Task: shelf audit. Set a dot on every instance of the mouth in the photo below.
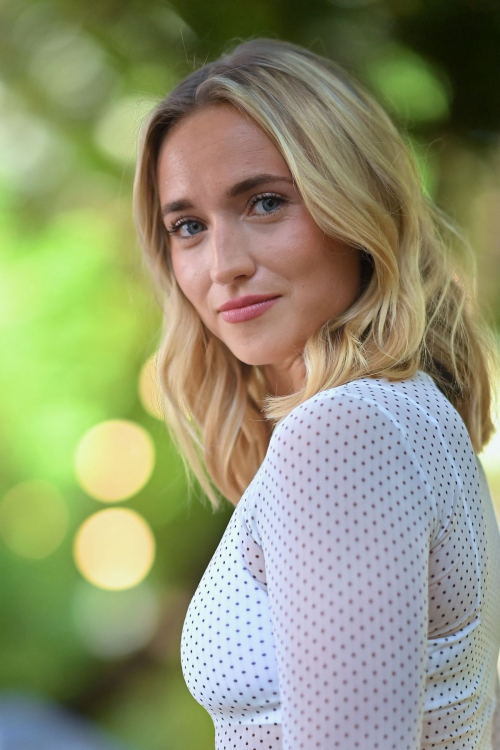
(240, 314)
(245, 301)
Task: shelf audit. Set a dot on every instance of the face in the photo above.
(230, 240)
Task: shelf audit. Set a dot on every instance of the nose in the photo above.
(230, 255)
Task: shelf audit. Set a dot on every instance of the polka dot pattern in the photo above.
(353, 600)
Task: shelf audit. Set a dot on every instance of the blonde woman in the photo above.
(324, 369)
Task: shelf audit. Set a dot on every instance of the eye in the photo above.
(182, 222)
(265, 198)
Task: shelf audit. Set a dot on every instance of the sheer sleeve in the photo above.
(345, 519)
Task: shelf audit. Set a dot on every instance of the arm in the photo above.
(345, 521)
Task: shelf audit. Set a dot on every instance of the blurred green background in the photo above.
(101, 548)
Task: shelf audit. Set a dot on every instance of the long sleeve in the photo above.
(345, 519)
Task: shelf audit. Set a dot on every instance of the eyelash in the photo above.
(174, 228)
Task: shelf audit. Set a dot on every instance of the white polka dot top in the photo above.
(353, 600)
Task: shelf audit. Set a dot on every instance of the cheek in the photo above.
(193, 285)
(293, 246)
(184, 276)
(322, 262)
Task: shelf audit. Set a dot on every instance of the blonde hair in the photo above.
(361, 184)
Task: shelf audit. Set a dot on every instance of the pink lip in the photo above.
(240, 314)
(249, 299)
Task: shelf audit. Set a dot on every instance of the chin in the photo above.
(248, 360)
(252, 358)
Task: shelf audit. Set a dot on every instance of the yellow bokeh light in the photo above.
(149, 390)
(114, 460)
(33, 518)
(114, 548)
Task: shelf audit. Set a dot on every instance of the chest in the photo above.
(227, 648)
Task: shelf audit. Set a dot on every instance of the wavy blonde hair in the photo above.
(360, 182)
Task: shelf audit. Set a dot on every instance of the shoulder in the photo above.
(360, 405)
(345, 451)
(369, 419)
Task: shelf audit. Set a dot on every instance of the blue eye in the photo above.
(268, 198)
(186, 221)
(174, 229)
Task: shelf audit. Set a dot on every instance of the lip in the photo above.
(250, 299)
(239, 314)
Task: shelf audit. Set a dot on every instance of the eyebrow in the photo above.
(240, 187)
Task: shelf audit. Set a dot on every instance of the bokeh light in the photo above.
(33, 518)
(409, 84)
(114, 460)
(114, 548)
(114, 624)
(117, 130)
(149, 390)
(70, 67)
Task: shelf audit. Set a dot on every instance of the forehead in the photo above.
(217, 143)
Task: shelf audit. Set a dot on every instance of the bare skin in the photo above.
(228, 247)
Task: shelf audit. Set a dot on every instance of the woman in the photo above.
(353, 599)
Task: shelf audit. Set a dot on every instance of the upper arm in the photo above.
(344, 519)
